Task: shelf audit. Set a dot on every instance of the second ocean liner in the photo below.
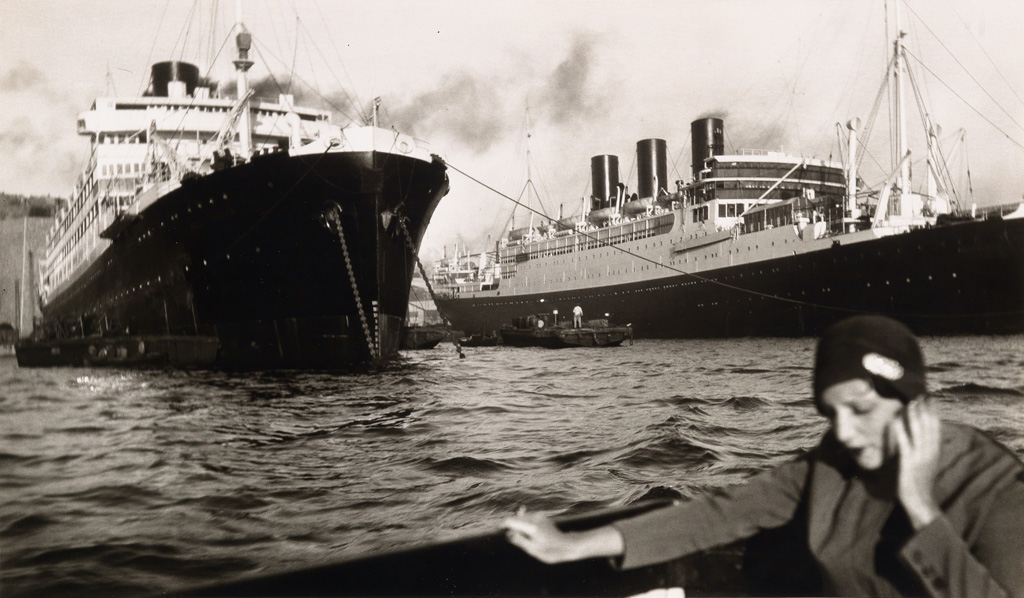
(757, 243)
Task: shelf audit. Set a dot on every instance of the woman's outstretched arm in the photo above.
(536, 534)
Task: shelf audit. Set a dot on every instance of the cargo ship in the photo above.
(233, 231)
(756, 243)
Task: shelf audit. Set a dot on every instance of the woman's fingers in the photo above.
(516, 538)
(932, 424)
(898, 431)
(536, 534)
(521, 526)
(918, 436)
(923, 424)
(530, 530)
(915, 421)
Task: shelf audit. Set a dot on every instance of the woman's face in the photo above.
(860, 420)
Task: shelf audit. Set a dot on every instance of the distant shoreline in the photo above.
(15, 205)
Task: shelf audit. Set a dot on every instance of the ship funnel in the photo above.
(708, 139)
(652, 167)
(604, 172)
(163, 73)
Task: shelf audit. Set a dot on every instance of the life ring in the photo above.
(404, 146)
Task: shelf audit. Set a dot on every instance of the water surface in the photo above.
(120, 482)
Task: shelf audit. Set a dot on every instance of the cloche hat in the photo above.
(874, 348)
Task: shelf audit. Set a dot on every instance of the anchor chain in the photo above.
(430, 289)
(335, 218)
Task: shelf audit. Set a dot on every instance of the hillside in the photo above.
(13, 205)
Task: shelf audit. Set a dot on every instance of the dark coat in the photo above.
(858, 535)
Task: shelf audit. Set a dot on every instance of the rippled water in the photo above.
(123, 482)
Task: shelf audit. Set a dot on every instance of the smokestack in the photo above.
(708, 139)
(174, 72)
(604, 172)
(652, 167)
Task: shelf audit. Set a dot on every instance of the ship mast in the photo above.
(529, 174)
(851, 176)
(21, 289)
(244, 42)
(933, 187)
(903, 182)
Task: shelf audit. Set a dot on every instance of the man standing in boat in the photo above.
(577, 317)
(892, 502)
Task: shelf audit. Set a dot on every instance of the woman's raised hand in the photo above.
(918, 436)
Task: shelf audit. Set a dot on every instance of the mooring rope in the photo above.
(430, 289)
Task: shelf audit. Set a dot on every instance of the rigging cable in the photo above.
(675, 163)
(145, 79)
(942, 168)
(211, 41)
(400, 218)
(969, 74)
(187, 31)
(257, 44)
(982, 48)
(862, 144)
(354, 102)
(964, 100)
(295, 56)
(312, 72)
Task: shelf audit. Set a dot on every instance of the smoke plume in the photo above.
(464, 107)
(38, 154)
(566, 97)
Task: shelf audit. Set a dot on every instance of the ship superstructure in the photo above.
(142, 148)
(289, 240)
(757, 243)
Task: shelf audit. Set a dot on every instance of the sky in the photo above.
(516, 91)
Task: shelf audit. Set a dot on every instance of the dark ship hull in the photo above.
(251, 256)
(962, 278)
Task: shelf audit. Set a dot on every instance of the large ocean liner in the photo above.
(756, 243)
(233, 230)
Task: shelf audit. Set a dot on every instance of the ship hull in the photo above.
(964, 278)
(249, 255)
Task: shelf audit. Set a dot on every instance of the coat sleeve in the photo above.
(766, 501)
(994, 566)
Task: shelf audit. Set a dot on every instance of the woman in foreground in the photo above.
(894, 502)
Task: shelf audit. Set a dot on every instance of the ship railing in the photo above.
(613, 235)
